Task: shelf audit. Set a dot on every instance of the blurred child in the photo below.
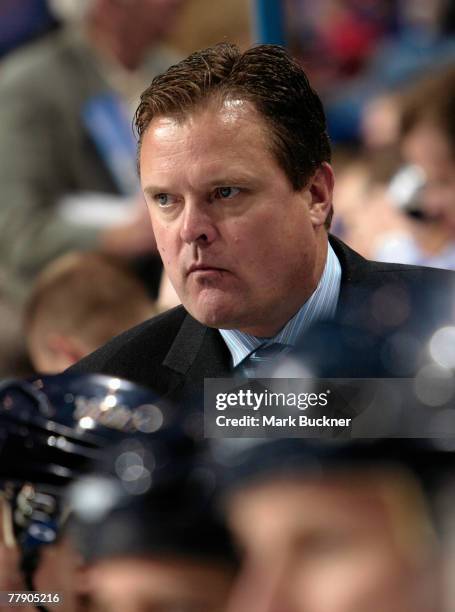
(80, 301)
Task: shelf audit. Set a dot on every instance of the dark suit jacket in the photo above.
(173, 353)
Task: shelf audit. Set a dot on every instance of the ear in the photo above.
(320, 187)
(66, 349)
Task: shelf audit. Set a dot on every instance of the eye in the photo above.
(225, 193)
(163, 199)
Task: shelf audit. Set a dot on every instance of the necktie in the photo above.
(260, 362)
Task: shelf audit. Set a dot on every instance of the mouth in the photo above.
(204, 269)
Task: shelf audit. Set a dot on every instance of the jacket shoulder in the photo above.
(357, 269)
(409, 272)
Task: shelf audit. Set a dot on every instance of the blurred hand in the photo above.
(132, 238)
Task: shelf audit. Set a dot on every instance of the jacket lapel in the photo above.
(197, 352)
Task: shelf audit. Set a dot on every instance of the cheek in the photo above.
(254, 242)
(162, 248)
(164, 242)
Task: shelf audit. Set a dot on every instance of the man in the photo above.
(338, 528)
(234, 162)
(66, 147)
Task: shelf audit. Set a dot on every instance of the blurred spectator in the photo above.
(22, 21)
(335, 38)
(47, 440)
(79, 302)
(364, 209)
(339, 528)
(150, 542)
(424, 41)
(67, 153)
(425, 189)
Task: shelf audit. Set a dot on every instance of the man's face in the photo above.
(326, 546)
(147, 585)
(241, 247)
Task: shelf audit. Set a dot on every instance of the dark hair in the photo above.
(264, 75)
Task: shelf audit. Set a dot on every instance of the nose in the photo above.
(198, 225)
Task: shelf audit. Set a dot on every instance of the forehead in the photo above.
(228, 131)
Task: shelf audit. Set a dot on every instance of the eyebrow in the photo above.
(230, 181)
(151, 190)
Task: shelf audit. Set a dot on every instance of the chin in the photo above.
(215, 320)
(215, 309)
(214, 316)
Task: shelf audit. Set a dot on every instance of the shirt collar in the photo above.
(321, 305)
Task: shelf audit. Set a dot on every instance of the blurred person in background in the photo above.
(334, 527)
(67, 152)
(152, 543)
(79, 302)
(420, 39)
(52, 431)
(21, 22)
(335, 38)
(364, 208)
(424, 189)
